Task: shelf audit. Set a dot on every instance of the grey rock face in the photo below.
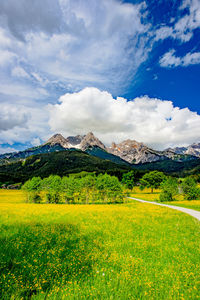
(135, 152)
(193, 150)
(90, 141)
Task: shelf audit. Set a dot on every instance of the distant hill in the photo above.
(173, 167)
(8, 158)
(60, 163)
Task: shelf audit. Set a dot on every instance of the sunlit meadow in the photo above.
(124, 251)
(179, 199)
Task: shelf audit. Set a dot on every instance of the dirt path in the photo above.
(192, 212)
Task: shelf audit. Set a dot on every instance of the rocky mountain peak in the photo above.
(133, 152)
(90, 140)
(57, 139)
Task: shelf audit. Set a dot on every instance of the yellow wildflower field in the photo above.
(123, 251)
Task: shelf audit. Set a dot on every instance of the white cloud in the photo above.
(36, 142)
(152, 121)
(23, 90)
(19, 72)
(191, 59)
(11, 116)
(77, 42)
(21, 124)
(170, 60)
(6, 57)
(22, 16)
(184, 27)
(7, 149)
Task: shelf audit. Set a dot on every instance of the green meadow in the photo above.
(117, 251)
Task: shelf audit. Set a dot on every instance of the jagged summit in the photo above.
(79, 141)
(90, 141)
(134, 152)
(193, 149)
(58, 139)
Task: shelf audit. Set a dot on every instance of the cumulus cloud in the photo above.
(170, 60)
(22, 124)
(11, 116)
(152, 121)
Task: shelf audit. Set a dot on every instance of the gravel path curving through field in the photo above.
(192, 212)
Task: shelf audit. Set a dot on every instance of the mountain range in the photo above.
(128, 152)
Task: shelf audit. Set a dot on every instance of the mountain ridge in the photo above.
(128, 151)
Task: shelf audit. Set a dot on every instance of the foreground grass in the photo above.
(129, 251)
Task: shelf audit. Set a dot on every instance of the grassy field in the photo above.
(12, 196)
(127, 251)
(147, 195)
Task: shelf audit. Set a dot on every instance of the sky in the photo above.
(121, 69)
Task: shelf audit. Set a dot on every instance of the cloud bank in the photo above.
(155, 122)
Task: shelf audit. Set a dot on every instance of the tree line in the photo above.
(89, 188)
(86, 188)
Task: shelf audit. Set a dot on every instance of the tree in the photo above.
(69, 186)
(128, 179)
(190, 189)
(152, 180)
(33, 187)
(52, 185)
(87, 184)
(169, 189)
(109, 187)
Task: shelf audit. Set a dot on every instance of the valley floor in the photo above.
(127, 251)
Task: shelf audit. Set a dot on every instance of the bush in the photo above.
(190, 189)
(166, 196)
(169, 189)
(53, 197)
(193, 193)
(35, 197)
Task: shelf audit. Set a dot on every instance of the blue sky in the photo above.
(123, 69)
